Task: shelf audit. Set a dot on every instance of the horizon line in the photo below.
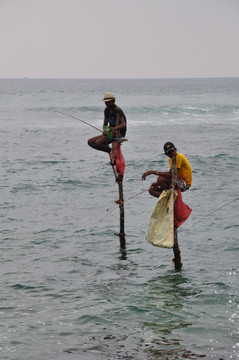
(120, 78)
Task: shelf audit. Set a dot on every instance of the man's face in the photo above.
(109, 104)
(171, 153)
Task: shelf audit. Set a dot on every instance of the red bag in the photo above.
(181, 210)
(120, 161)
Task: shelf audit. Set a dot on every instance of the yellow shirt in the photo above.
(184, 170)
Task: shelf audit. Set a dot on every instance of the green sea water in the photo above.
(67, 291)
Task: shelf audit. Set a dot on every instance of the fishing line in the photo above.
(216, 210)
(109, 211)
(73, 117)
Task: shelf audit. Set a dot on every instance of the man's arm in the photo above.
(122, 124)
(166, 174)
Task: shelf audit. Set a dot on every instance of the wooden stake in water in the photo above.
(121, 208)
(177, 254)
(119, 180)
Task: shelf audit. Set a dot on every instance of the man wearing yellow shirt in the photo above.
(164, 180)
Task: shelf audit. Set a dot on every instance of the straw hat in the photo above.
(108, 97)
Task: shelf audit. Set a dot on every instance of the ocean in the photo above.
(67, 290)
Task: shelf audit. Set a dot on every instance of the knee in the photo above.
(90, 142)
(151, 191)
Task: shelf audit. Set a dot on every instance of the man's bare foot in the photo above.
(120, 201)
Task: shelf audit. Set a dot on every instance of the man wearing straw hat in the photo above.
(101, 142)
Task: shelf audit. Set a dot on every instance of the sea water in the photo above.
(67, 291)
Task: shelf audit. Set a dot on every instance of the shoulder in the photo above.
(118, 110)
(182, 160)
(181, 156)
(179, 160)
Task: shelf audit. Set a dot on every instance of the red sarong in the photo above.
(181, 210)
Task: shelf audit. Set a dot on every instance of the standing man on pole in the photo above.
(110, 129)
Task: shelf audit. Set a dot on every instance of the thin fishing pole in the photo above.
(73, 117)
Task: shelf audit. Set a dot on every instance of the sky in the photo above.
(119, 38)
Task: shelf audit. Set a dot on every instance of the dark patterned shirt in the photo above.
(110, 115)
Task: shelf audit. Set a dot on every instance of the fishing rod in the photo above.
(73, 117)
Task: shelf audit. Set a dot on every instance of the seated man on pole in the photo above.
(164, 180)
(111, 129)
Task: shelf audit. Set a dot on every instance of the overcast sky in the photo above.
(119, 38)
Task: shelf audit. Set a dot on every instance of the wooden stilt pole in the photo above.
(121, 208)
(177, 254)
(119, 180)
(177, 257)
